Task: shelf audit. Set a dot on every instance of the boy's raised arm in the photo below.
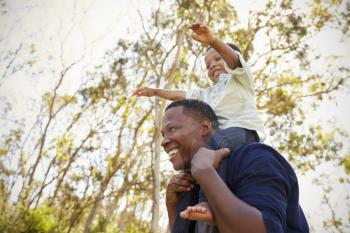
(162, 93)
(203, 34)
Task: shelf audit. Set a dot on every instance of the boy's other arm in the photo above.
(203, 34)
(162, 93)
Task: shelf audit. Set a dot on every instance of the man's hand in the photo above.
(202, 33)
(145, 91)
(181, 182)
(205, 158)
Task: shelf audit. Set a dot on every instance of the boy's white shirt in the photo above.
(233, 99)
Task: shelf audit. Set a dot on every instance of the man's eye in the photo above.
(172, 129)
(217, 58)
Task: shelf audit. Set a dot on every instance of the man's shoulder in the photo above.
(258, 160)
(254, 147)
(259, 152)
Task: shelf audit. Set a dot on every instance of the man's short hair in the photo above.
(234, 47)
(197, 109)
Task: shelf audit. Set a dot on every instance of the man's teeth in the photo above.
(173, 151)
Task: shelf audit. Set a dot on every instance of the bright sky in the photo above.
(92, 27)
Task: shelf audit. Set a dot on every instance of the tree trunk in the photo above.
(93, 210)
(159, 109)
(155, 169)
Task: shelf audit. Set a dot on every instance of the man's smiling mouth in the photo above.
(172, 152)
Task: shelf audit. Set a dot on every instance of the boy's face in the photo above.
(182, 137)
(215, 65)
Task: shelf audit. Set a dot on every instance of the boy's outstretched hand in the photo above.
(145, 91)
(202, 33)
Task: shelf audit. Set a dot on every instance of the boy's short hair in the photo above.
(234, 47)
(197, 109)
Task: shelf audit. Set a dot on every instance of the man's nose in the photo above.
(165, 141)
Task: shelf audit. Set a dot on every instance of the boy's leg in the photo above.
(230, 138)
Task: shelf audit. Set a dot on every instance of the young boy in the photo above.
(232, 97)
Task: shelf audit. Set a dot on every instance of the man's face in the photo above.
(215, 65)
(182, 137)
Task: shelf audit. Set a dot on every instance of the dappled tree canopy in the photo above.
(90, 162)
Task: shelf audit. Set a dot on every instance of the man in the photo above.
(259, 192)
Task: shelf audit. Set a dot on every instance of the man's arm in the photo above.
(231, 214)
(163, 93)
(203, 34)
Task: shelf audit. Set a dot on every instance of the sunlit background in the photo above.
(41, 40)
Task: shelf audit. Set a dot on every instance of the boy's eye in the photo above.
(218, 58)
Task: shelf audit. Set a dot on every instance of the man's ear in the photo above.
(205, 126)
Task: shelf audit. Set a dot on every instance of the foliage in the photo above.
(39, 220)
